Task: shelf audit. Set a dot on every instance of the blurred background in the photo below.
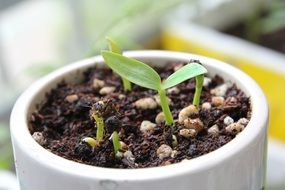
(38, 36)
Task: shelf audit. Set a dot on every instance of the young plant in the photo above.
(116, 142)
(113, 125)
(114, 47)
(143, 75)
(96, 114)
(174, 141)
(89, 140)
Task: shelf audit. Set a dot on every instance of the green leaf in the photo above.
(113, 46)
(133, 70)
(186, 72)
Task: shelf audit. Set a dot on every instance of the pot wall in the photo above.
(240, 164)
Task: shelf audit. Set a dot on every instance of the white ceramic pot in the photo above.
(238, 165)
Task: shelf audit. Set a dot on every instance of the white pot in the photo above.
(238, 165)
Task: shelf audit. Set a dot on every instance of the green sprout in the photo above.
(113, 125)
(89, 140)
(198, 90)
(114, 47)
(174, 141)
(143, 75)
(96, 114)
(116, 141)
(100, 127)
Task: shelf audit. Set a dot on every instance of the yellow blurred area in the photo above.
(271, 82)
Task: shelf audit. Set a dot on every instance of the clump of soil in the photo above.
(61, 123)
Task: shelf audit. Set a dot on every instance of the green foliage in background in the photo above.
(91, 21)
(121, 17)
(5, 148)
(265, 20)
(275, 20)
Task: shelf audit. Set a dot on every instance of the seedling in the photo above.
(174, 141)
(113, 125)
(143, 75)
(89, 140)
(116, 141)
(114, 47)
(97, 115)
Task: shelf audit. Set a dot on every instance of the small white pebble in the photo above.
(147, 126)
(234, 128)
(160, 118)
(218, 100)
(214, 130)
(164, 151)
(177, 67)
(39, 138)
(146, 103)
(196, 124)
(121, 96)
(173, 90)
(71, 98)
(221, 89)
(228, 120)
(97, 83)
(129, 155)
(123, 145)
(187, 133)
(207, 81)
(186, 112)
(107, 90)
(206, 106)
(173, 154)
(243, 121)
(157, 99)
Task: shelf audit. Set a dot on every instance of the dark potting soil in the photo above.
(63, 124)
(274, 40)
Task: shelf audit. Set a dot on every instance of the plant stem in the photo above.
(116, 141)
(165, 107)
(127, 85)
(114, 47)
(100, 127)
(174, 141)
(198, 90)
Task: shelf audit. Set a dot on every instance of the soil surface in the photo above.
(274, 40)
(60, 124)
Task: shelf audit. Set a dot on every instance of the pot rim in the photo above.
(20, 133)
